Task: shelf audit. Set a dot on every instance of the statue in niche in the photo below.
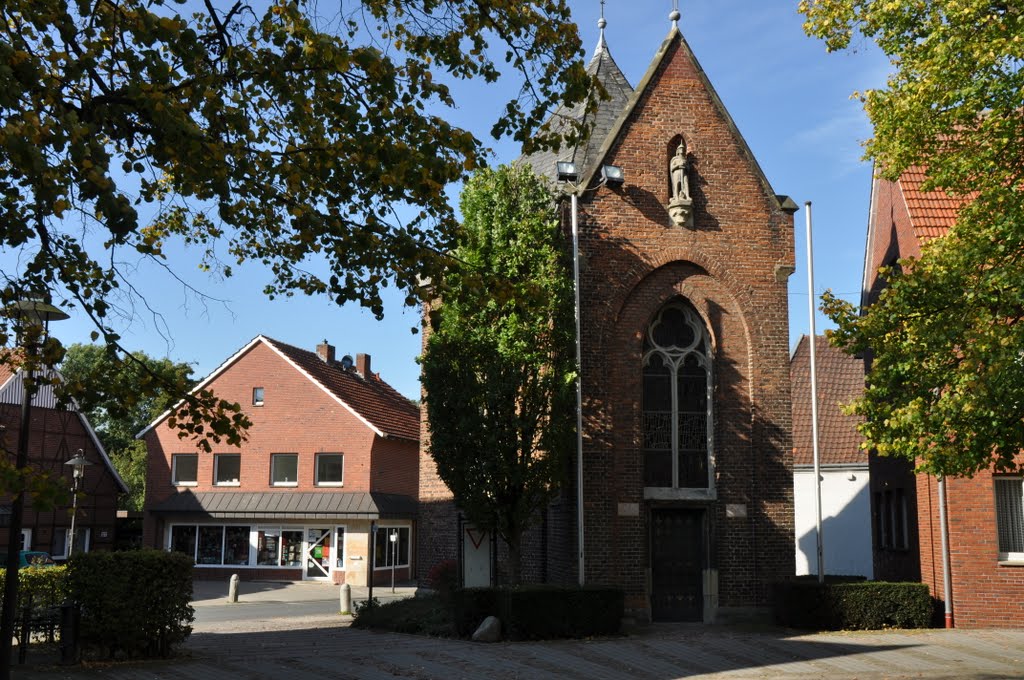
(680, 204)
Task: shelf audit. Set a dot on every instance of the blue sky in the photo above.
(789, 98)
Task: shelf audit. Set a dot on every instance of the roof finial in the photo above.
(674, 15)
(601, 23)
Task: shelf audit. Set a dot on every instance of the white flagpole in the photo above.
(814, 401)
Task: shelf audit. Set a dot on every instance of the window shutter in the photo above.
(1010, 514)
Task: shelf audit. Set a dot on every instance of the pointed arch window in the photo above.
(677, 404)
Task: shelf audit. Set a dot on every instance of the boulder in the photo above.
(489, 630)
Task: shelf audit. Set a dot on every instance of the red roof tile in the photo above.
(374, 400)
(932, 213)
(840, 381)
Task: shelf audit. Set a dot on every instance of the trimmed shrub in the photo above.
(865, 605)
(44, 585)
(538, 612)
(133, 603)
(444, 577)
(421, 615)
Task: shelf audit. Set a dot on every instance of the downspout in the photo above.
(947, 581)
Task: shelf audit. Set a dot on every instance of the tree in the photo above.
(498, 368)
(946, 385)
(155, 383)
(314, 145)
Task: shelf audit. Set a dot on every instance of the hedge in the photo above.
(540, 612)
(44, 585)
(851, 605)
(133, 603)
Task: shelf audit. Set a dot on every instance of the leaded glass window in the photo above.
(677, 400)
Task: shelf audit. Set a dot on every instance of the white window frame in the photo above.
(217, 458)
(85, 543)
(340, 547)
(316, 469)
(1009, 557)
(258, 394)
(277, 456)
(175, 457)
(408, 550)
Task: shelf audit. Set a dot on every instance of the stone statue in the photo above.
(678, 168)
(680, 204)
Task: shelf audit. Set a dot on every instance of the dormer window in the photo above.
(257, 396)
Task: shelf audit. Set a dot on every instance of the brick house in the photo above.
(332, 452)
(687, 462)
(843, 464)
(55, 436)
(985, 513)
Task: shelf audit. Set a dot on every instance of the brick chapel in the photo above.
(687, 494)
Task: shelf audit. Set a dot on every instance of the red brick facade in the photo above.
(299, 414)
(986, 592)
(732, 267)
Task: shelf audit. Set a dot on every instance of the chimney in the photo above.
(325, 352)
(363, 365)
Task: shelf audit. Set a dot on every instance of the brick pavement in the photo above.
(284, 649)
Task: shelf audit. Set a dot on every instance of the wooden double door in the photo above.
(678, 563)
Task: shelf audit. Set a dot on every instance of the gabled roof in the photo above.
(378, 405)
(12, 391)
(932, 213)
(840, 381)
(607, 72)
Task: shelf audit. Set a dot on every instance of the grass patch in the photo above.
(425, 615)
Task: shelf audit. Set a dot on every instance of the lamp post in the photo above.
(394, 555)
(34, 316)
(568, 173)
(77, 464)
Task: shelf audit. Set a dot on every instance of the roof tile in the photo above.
(374, 400)
(840, 381)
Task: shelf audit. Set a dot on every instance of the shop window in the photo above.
(183, 539)
(391, 547)
(184, 469)
(330, 469)
(284, 469)
(1010, 517)
(226, 469)
(62, 539)
(236, 545)
(291, 548)
(676, 394)
(211, 545)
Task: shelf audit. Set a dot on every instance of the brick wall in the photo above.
(634, 262)
(986, 594)
(296, 417)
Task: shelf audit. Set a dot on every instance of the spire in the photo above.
(601, 23)
(673, 15)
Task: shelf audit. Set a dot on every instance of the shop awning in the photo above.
(290, 506)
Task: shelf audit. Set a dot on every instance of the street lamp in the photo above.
(612, 175)
(78, 464)
(36, 315)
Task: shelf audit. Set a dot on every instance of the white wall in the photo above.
(845, 520)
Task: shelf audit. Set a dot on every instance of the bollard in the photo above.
(233, 588)
(346, 598)
(69, 623)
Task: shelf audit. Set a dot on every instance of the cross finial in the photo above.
(601, 23)
(674, 15)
